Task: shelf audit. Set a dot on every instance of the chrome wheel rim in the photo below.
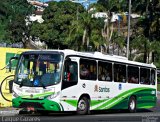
(81, 105)
(132, 105)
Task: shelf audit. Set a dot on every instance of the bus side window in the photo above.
(104, 71)
(153, 77)
(133, 74)
(145, 76)
(88, 69)
(119, 73)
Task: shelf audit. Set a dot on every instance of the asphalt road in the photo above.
(143, 115)
(102, 116)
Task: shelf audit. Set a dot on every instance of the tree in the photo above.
(85, 31)
(149, 23)
(111, 6)
(17, 27)
(74, 39)
(58, 17)
(4, 15)
(96, 39)
(14, 14)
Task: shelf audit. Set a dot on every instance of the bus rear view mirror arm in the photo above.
(10, 62)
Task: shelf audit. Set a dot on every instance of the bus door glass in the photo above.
(70, 74)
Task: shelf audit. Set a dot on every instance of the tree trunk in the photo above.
(145, 53)
(130, 54)
(88, 43)
(136, 56)
(145, 57)
(84, 36)
(153, 56)
(150, 57)
(113, 48)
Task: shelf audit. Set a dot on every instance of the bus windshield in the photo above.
(39, 70)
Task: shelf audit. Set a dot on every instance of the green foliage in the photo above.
(68, 25)
(147, 27)
(2, 30)
(58, 17)
(12, 15)
(96, 36)
(114, 5)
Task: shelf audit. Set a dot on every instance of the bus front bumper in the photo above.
(43, 104)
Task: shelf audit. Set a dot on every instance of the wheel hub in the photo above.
(81, 105)
(132, 105)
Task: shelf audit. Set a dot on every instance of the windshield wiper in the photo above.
(21, 84)
(44, 87)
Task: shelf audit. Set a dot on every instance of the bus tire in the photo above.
(83, 106)
(132, 105)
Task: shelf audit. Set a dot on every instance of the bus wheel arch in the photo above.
(83, 105)
(132, 104)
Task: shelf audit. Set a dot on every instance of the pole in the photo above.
(129, 22)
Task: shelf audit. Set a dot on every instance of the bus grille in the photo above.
(31, 104)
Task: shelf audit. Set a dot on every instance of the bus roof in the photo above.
(96, 55)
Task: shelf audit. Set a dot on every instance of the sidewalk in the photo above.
(8, 111)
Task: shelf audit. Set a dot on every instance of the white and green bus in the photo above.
(66, 80)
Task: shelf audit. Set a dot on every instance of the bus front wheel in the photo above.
(83, 106)
(132, 104)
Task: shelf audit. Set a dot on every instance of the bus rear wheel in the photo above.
(83, 106)
(132, 105)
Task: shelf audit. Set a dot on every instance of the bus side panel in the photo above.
(119, 98)
(146, 98)
(69, 98)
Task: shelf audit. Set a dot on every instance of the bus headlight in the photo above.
(53, 96)
(15, 94)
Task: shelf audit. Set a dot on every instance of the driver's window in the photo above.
(70, 72)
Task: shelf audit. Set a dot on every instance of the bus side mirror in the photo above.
(10, 62)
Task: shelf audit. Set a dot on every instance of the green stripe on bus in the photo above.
(72, 102)
(118, 99)
(121, 101)
(93, 102)
(62, 109)
(96, 102)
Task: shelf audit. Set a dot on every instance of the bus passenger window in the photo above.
(88, 69)
(133, 74)
(104, 71)
(145, 76)
(119, 73)
(153, 77)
